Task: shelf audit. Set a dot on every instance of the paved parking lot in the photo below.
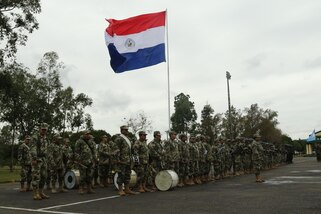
(294, 188)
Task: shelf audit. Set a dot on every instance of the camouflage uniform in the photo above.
(183, 160)
(194, 160)
(140, 150)
(257, 157)
(85, 157)
(38, 152)
(104, 153)
(216, 161)
(172, 153)
(156, 155)
(55, 163)
(67, 155)
(25, 163)
(123, 160)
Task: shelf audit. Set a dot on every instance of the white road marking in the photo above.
(294, 180)
(81, 202)
(314, 171)
(36, 210)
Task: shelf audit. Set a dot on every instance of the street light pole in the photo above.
(228, 77)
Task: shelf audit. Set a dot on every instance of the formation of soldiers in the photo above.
(195, 159)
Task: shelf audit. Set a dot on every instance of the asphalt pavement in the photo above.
(292, 188)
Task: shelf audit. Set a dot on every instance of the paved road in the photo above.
(294, 188)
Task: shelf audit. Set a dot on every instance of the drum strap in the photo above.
(127, 140)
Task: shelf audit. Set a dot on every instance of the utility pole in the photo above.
(228, 77)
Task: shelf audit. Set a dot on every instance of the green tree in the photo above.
(210, 123)
(233, 127)
(17, 20)
(184, 117)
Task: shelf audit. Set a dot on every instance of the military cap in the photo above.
(27, 137)
(156, 133)
(104, 136)
(57, 136)
(44, 126)
(256, 135)
(124, 127)
(172, 132)
(87, 132)
(142, 133)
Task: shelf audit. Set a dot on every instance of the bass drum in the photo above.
(166, 179)
(72, 178)
(132, 182)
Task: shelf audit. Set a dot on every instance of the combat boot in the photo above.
(147, 189)
(199, 180)
(140, 188)
(121, 191)
(180, 183)
(62, 189)
(192, 181)
(90, 190)
(53, 189)
(128, 191)
(28, 187)
(81, 190)
(22, 188)
(43, 195)
(36, 195)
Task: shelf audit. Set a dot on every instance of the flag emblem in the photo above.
(136, 42)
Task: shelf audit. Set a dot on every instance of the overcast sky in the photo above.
(271, 48)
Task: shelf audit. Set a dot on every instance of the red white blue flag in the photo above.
(136, 42)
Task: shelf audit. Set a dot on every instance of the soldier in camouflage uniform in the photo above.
(216, 160)
(172, 152)
(257, 157)
(194, 160)
(184, 161)
(104, 154)
(202, 157)
(123, 161)
(68, 155)
(38, 152)
(24, 160)
(156, 156)
(237, 151)
(85, 158)
(55, 164)
(247, 156)
(141, 167)
(208, 158)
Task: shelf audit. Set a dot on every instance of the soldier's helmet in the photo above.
(124, 127)
(87, 132)
(156, 133)
(27, 137)
(172, 132)
(142, 133)
(57, 137)
(44, 126)
(256, 135)
(104, 136)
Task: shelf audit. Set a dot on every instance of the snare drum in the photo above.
(132, 182)
(166, 180)
(72, 178)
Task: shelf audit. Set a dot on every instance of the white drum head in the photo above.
(71, 179)
(166, 179)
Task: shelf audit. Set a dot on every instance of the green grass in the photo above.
(7, 176)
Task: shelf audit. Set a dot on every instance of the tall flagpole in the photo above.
(168, 83)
